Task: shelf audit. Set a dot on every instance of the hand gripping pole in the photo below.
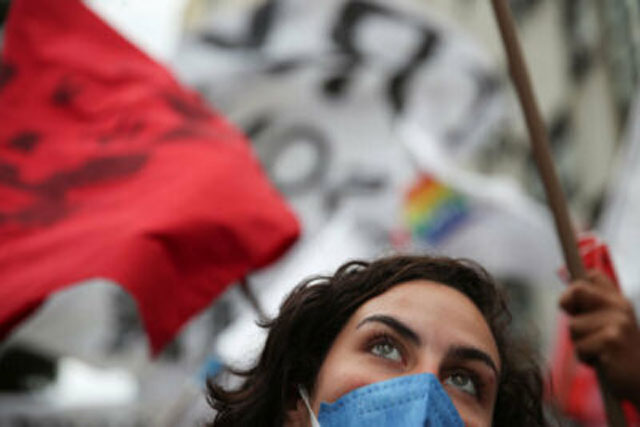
(544, 163)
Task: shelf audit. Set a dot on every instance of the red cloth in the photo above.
(575, 385)
(109, 168)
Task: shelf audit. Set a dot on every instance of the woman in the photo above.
(400, 318)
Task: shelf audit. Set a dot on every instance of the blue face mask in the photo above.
(413, 400)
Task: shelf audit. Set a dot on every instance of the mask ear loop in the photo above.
(305, 399)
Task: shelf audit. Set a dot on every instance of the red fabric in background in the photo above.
(575, 385)
(109, 168)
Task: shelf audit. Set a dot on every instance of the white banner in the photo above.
(346, 103)
(620, 223)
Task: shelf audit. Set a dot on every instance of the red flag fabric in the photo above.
(109, 168)
(575, 385)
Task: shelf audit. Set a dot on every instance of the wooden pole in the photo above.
(544, 162)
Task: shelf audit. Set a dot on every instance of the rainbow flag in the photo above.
(432, 210)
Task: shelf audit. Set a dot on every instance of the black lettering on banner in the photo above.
(257, 31)
(559, 130)
(581, 47)
(127, 325)
(356, 184)
(354, 14)
(521, 8)
(349, 57)
(25, 141)
(487, 86)
(284, 66)
(285, 140)
(7, 73)
(399, 83)
(257, 125)
(274, 143)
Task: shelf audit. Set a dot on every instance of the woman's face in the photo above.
(416, 327)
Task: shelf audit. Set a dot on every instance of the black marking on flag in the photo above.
(51, 204)
(9, 174)
(42, 212)
(92, 172)
(25, 141)
(125, 128)
(188, 131)
(7, 73)
(195, 116)
(189, 108)
(65, 92)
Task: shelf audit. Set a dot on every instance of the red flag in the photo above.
(109, 168)
(575, 384)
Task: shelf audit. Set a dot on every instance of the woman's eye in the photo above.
(386, 350)
(463, 382)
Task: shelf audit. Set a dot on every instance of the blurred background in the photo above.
(387, 125)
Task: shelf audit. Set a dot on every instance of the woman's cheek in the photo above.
(471, 414)
(334, 381)
(334, 388)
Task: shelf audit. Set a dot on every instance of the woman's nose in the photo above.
(428, 365)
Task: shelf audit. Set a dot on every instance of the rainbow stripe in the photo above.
(432, 210)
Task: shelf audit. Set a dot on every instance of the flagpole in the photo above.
(251, 297)
(544, 162)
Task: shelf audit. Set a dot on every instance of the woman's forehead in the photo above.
(420, 291)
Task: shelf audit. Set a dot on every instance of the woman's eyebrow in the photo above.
(472, 353)
(394, 324)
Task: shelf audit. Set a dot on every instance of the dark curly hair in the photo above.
(316, 311)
